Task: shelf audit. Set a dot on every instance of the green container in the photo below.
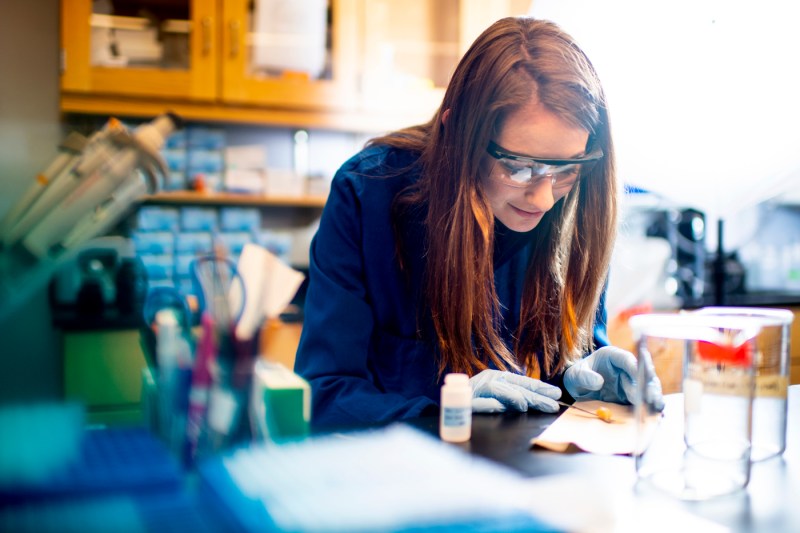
(284, 408)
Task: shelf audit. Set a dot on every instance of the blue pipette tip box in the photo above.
(119, 460)
(121, 479)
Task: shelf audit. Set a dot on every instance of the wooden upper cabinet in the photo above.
(356, 65)
(162, 49)
(409, 49)
(292, 54)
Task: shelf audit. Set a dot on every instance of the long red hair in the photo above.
(515, 59)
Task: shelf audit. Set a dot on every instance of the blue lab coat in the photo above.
(368, 347)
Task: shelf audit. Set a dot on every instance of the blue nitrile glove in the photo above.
(609, 374)
(495, 391)
(653, 395)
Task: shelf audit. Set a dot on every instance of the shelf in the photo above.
(222, 198)
(344, 121)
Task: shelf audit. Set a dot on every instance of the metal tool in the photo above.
(603, 413)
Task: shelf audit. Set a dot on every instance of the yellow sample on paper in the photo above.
(589, 433)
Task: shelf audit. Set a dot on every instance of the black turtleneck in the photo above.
(507, 242)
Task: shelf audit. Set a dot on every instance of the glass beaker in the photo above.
(772, 366)
(699, 446)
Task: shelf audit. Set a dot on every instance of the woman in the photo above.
(478, 242)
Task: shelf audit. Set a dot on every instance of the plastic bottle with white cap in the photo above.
(455, 420)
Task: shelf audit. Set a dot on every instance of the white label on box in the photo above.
(245, 180)
(248, 157)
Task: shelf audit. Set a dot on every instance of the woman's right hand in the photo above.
(495, 391)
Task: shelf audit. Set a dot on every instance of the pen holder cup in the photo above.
(699, 446)
(227, 422)
(772, 367)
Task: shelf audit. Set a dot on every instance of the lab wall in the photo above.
(29, 134)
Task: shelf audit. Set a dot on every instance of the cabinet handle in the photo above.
(234, 30)
(205, 29)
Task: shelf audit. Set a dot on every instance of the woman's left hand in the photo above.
(495, 391)
(608, 374)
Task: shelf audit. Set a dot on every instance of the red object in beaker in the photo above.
(724, 353)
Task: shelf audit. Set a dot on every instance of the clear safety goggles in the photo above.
(517, 170)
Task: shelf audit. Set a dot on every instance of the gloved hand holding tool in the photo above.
(609, 375)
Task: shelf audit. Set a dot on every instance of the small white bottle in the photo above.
(455, 420)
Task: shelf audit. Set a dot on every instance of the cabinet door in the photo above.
(410, 48)
(140, 48)
(298, 54)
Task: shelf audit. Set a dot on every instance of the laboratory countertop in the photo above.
(768, 504)
(601, 484)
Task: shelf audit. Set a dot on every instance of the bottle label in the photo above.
(456, 416)
(772, 386)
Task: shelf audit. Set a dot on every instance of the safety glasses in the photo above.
(517, 170)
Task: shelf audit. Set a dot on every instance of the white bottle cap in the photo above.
(456, 379)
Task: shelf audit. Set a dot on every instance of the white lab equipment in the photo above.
(88, 187)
